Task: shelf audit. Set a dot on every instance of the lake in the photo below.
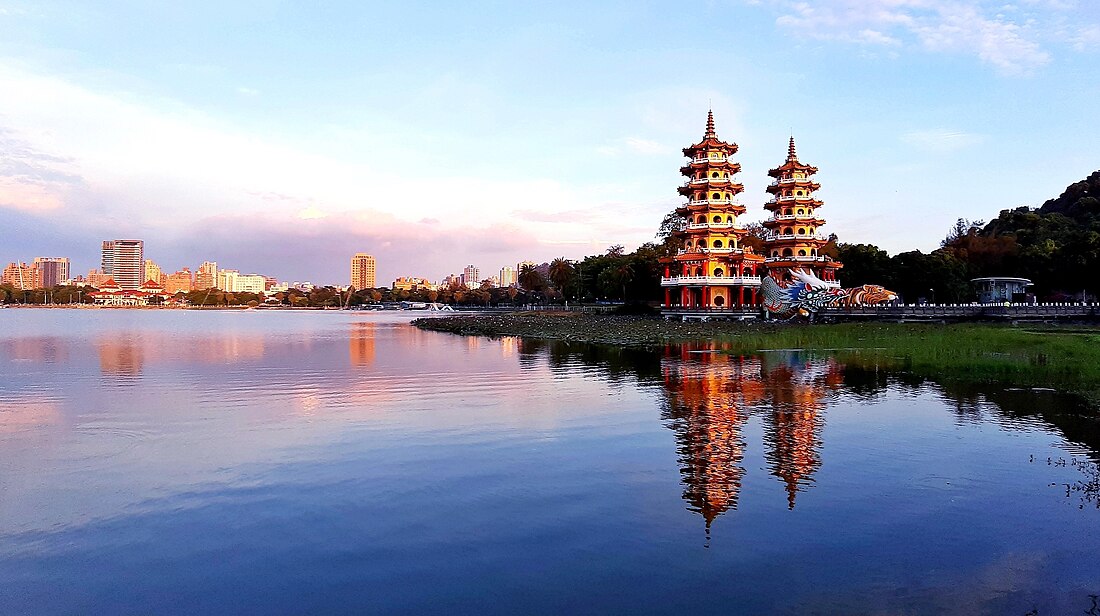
(333, 462)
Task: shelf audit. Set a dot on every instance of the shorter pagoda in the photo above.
(711, 270)
(793, 240)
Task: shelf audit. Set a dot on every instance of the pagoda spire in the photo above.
(791, 156)
(710, 125)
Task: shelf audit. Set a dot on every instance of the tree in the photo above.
(530, 279)
(562, 273)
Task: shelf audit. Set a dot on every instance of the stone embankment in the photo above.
(579, 327)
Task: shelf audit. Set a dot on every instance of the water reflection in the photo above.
(361, 344)
(710, 397)
(123, 357)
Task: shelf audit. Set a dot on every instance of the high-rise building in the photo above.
(97, 278)
(153, 272)
(207, 275)
(124, 261)
(793, 238)
(180, 281)
(508, 276)
(52, 271)
(471, 277)
(711, 270)
(21, 276)
(362, 271)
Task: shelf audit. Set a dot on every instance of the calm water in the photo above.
(213, 462)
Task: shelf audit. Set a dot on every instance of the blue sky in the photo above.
(280, 138)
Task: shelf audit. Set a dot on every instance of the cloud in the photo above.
(247, 91)
(643, 146)
(114, 164)
(941, 139)
(31, 179)
(1007, 36)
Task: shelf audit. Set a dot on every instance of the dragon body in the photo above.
(807, 294)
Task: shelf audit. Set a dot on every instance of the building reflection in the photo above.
(711, 396)
(361, 343)
(120, 356)
(797, 389)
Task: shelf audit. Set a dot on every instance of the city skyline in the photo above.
(285, 154)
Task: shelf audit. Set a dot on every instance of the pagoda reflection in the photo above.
(711, 396)
(797, 389)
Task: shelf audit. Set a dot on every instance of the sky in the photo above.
(282, 137)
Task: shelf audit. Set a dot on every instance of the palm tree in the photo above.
(561, 273)
(625, 274)
(530, 278)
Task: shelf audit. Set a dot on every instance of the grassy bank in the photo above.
(1062, 356)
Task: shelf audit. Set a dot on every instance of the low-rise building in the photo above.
(412, 284)
(110, 294)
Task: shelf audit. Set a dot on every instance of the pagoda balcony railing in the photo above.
(678, 281)
(710, 180)
(716, 202)
(791, 181)
(721, 159)
(796, 236)
(799, 259)
(713, 225)
(709, 251)
(784, 198)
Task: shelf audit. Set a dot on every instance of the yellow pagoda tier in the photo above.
(793, 240)
(711, 270)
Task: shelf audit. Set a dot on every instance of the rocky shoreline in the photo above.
(580, 327)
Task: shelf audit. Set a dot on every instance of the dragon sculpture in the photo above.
(807, 294)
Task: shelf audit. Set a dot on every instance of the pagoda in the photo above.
(793, 240)
(710, 269)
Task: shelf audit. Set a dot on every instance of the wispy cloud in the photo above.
(1012, 37)
(941, 139)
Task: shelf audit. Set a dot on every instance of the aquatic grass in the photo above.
(972, 352)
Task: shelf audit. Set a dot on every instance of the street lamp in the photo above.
(933, 292)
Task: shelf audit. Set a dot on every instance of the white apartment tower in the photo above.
(124, 261)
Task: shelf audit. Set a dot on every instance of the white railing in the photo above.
(713, 225)
(720, 159)
(796, 236)
(710, 180)
(782, 198)
(675, 281)
(791, 181)
(714, 251)
(715, 202)
(809, 259)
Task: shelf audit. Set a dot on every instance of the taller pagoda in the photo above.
(711, 270)
(793, 240)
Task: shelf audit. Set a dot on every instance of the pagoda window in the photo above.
(787, 252)
(801, 231)
(719, 301)
(702, 244)
(698, 271)
(801, 212)
(802, 253)
(714, 175)
(787, 231)
(729, 219)
(716, 196)
(701, 219)
(717, 243)
(813, 252)
(719, 272)
(717, 219)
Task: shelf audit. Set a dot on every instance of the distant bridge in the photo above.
(912, 312)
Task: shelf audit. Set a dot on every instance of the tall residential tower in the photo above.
(124, 261)
(362, 271)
